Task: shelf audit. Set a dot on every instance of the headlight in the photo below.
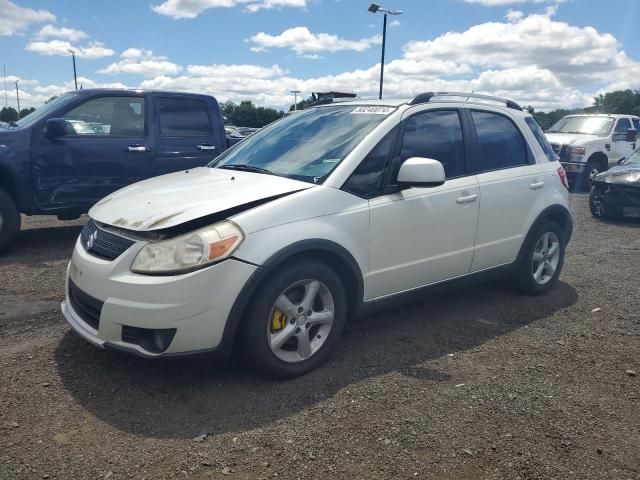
(629, 177)
(190, 251)
(577, 152)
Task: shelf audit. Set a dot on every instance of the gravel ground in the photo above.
(479, 383)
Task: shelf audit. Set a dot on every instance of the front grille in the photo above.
(87, 307)
(103, 244)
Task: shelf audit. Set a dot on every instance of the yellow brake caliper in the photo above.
(278, 320)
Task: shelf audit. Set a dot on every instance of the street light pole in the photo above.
(295, 99)
(18, 98)
(374, 8)
(73, 56)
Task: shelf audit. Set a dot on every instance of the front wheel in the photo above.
(591, 171)
(542, 259)
(295, 320)
(9, 220)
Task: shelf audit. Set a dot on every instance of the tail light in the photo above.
(563, 177)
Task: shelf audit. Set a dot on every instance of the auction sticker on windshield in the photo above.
(375, 110)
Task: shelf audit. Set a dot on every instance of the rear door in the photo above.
(512, 187)
(187, 131)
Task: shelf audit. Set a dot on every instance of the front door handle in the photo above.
(536, 185)
(467, 199)
(137, 148)
(205, 146)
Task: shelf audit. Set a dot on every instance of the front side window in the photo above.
(183, 117)
(114, 116)
(583, 124)
(636, 124)
(541, 138)
(500, 142)
(437, 135)
(306, 146)
(623, 125)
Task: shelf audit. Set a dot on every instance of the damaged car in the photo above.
(616, 192)
(318, 217)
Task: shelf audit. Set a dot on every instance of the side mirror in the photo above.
(421, 172)
(632, 135)
(621, 161)
(56, 127)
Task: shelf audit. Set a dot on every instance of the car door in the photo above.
(420, 236)
(621, 148)
(512, 187)
(186, 136)
(106, 147)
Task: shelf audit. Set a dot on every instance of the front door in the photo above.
(106, 148)
(620, 147)
(421, 236)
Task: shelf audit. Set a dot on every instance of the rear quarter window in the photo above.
(541, 138)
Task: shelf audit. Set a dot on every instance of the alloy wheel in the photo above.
(546, 256)
(300, 320)
(593, 173)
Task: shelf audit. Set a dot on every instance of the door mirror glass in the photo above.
(56, 127)
(632, 135)
(621, 161)
(421, 172)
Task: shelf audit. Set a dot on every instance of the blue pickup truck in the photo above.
(68, 154)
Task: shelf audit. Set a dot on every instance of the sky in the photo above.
(544, 53)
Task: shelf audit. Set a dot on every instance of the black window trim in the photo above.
(104, 135)
(179, 97)
(476, 155)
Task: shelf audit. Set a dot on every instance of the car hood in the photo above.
(621, 174)
(173, 199)
(573, 138)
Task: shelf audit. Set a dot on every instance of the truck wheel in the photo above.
(9, 220)
(591, 169)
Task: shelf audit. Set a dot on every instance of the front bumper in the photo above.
(573, 168)
(618, 198)
(196, 304)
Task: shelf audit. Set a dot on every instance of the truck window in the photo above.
(182, 117)
(636, 123)
(623, 125)
(114, 116)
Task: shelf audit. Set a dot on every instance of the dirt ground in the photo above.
(479, 383)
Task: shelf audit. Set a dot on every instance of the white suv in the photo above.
(589, 144)
(320, 216)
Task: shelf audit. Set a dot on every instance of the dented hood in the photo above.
(173, 199)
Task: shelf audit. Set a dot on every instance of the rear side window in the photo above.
(501, 143)
(366, 180)
(181, 117)
(438, 135)
(541, 138)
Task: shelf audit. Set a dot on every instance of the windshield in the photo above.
(585, 125)
(633, 159)
(306, 146)
(46, 108)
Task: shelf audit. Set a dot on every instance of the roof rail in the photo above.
(426, 98)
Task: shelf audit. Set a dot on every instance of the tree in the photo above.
(302, 104)
(26, 111)
(246, 114)
(8, 114)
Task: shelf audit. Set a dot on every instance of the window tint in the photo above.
(541, 138)
(501, 143)
(623, 125)
(366, 180)
(181, 117)
(117, 116)
(437, 135)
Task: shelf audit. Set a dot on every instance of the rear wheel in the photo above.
(9, 220)
(295, 320)
(542, 259)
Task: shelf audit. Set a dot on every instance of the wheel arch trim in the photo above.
(553, 213)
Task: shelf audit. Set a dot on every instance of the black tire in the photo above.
(524, 274)
(594, 204)
(9, 220)
(254, 328)
(585, 179)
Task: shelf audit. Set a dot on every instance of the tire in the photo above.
(9, 220)
(591, 169)
(265, 326)
(598, 210)
(528, 269)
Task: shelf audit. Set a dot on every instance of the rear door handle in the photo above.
(467, 199)
(137, 148)
(205, 146)
(536, 185)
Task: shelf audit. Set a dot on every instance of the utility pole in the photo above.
(73, 56)
(295, 99)
(18, 98)
(374, 8)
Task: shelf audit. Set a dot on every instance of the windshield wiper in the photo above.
(247, 168)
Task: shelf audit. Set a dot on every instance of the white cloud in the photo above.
(70, 34)
(239, 71)
(91, 51)
(514, 15)
(395, 23)
(302, 41)
(142, 62)
(192, 8)
(15, 19)
(500, 3)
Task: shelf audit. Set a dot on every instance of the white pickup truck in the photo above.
(588, 144)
